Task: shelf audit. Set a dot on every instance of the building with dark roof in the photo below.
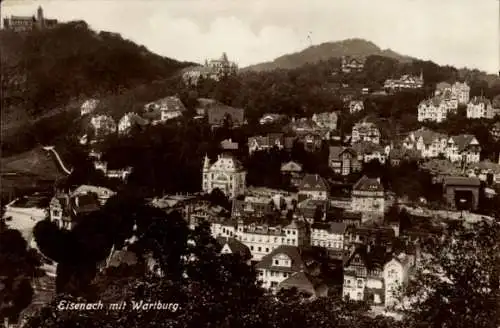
(480, 107)
(463, 147)
(461, 192)
(285, 261)
(368, 195)
(234, 246)
(363, 275)
(292, 173)
(343, 160)
(220, 114)
(313, 186)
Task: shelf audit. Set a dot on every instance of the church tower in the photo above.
(205, 175)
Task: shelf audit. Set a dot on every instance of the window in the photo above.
(360, 296)
(285, 274)
(267, 250)
(261, 273)
(251, 248)
(360, 283)
(272, 273)
(294, 232)
(274, 284)
(276, 262)
(259, 249)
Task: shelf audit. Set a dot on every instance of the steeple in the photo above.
(206, 163)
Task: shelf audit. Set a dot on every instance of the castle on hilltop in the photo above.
(29, 23)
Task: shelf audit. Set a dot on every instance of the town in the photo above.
(330, 198)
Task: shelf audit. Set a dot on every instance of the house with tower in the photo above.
(227, 174)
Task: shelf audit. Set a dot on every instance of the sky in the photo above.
(462, 33)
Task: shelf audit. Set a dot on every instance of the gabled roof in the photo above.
(337, 151)
(427, 135)
(292, 252)
(368, 184)
(313, 182)
(480, 100)
(375, 259)
(302, 281)
(170, 104)
(134, 119)
(235, 246)
(463, 141)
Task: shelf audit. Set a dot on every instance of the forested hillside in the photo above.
(45, 69)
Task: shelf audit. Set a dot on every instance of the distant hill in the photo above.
(43, 70)
(326, 51)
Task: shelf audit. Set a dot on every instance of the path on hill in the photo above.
(58, 158)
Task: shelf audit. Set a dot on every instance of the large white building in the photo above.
(459, 91)
(263, 238)
(427, 142)
(480, 107)
(226, 174)
(328, 234)
(405, 82)
(434, 110)
(368, 195)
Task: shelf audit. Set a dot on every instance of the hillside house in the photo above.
(396, 276)
(261, 143)
(170, 107)
(352, 64)
(480, 107)
(327, 120)
(437, 108)
(364, 275)
(220, 115)
(292, 171)
(285, 265)
(464, 147)
(343, 160)
(103, 125)
(429, 143)
(405, 82)
(252, 206)
(89, 106)
(368, 151)
(368, 195)
(313, 186)
(129, 121)
(365, 131)
(356, 106)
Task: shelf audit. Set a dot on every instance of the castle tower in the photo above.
(39, 17)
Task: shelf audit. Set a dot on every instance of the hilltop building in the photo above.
(214, 69)
(29, 23)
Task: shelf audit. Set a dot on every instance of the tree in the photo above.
(458, 283)
(18, 266)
